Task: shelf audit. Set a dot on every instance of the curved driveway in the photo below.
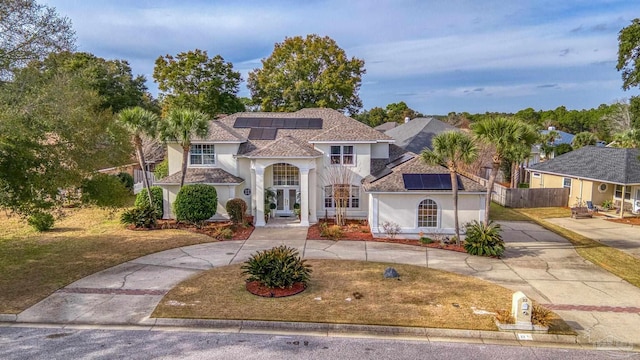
(599, 305)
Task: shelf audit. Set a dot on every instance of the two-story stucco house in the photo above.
(293, 154)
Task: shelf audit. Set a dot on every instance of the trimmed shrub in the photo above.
(41, 221)
(162, 169)
(484, 240)
(279, 267)
(106, 191)
(141, 217)
(236, 208)
(126, 179)
(142, 200)
(196, 203)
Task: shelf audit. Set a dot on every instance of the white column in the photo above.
(252, 196)
(313, 196)
(374, 213)
(259, 196)
(304, 196)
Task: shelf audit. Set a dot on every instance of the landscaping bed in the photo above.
(215, 230)
(356, 230)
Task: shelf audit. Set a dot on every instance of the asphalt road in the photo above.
(67, 343)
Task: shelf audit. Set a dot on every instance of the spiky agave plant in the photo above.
(484, 240)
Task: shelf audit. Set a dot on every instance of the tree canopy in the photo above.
(53, 132)
(194, 80)
(30, 31)
(629, 54)
(307, 72)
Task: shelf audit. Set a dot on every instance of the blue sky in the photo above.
(436, 55)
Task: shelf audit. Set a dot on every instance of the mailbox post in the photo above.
(521, 308)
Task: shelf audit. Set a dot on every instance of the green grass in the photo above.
(33, 265)
(501, 213)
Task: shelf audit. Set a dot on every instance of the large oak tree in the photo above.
(307, 72)
(193, 80)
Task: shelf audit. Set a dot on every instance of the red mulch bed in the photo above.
(211, 229)
(351, 233)
(256, 288)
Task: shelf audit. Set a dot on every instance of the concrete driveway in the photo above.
(600, 306)
(620, 236)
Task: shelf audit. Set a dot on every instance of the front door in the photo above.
(285, 199)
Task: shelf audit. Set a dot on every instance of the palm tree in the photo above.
(181, 125)
(627, 139)
(138, 122)
(583, 139)
(503, 133)
(452, 149)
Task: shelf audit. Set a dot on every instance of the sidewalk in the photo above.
(603, 308)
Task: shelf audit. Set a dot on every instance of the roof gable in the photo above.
(612, 165)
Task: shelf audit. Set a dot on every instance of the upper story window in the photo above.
(566, 182)
(342, 154)
(202, 154)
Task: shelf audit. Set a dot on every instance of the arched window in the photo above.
(428, 214)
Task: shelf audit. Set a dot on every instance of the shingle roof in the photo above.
(416, 134)
(612, 165)
(335, 127)
(201, 176)
(386, 126)
(394, 182)
(219, 131)
(287, 146)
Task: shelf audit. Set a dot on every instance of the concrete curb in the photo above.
(515, 338)
(8, 317)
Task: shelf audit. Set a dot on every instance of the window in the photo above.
(285, 175)
(536, 175)
(428, 214)
(202, 154)
(627, 192)
(566, 182)
(348, 195)
(602, 187)
(342, 155)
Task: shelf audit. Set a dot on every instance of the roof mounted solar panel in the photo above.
(400, 160)
(429, 182)
(262, 134)
(278, 123)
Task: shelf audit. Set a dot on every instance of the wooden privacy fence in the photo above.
(525, 198)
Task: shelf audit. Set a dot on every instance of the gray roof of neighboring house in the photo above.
(393, 181)
(201, 176)
(386, 126)
(335, 127)
(612, 165)
(563, 137)
(416, 134)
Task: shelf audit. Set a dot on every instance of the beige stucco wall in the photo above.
(363, 158)
(174, 154)
(402, 209)
(224, 194)
(224, 157)
(380, 151)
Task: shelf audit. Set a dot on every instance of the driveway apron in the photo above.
(599, 305)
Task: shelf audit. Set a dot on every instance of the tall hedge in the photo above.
(142, 200)
(106, 191)
(196, 203)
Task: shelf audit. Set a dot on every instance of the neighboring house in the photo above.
(386, 126)
(538, 155)
(593, 174)
(415, 135)
(293, 155)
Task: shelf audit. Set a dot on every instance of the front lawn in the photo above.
(353, 292)
(33, 265)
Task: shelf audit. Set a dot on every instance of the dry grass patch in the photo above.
(611, 259)
(33, 265)
(423, 297)
(546, 212)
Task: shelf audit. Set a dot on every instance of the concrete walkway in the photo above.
(601, 307)
(620, 236)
